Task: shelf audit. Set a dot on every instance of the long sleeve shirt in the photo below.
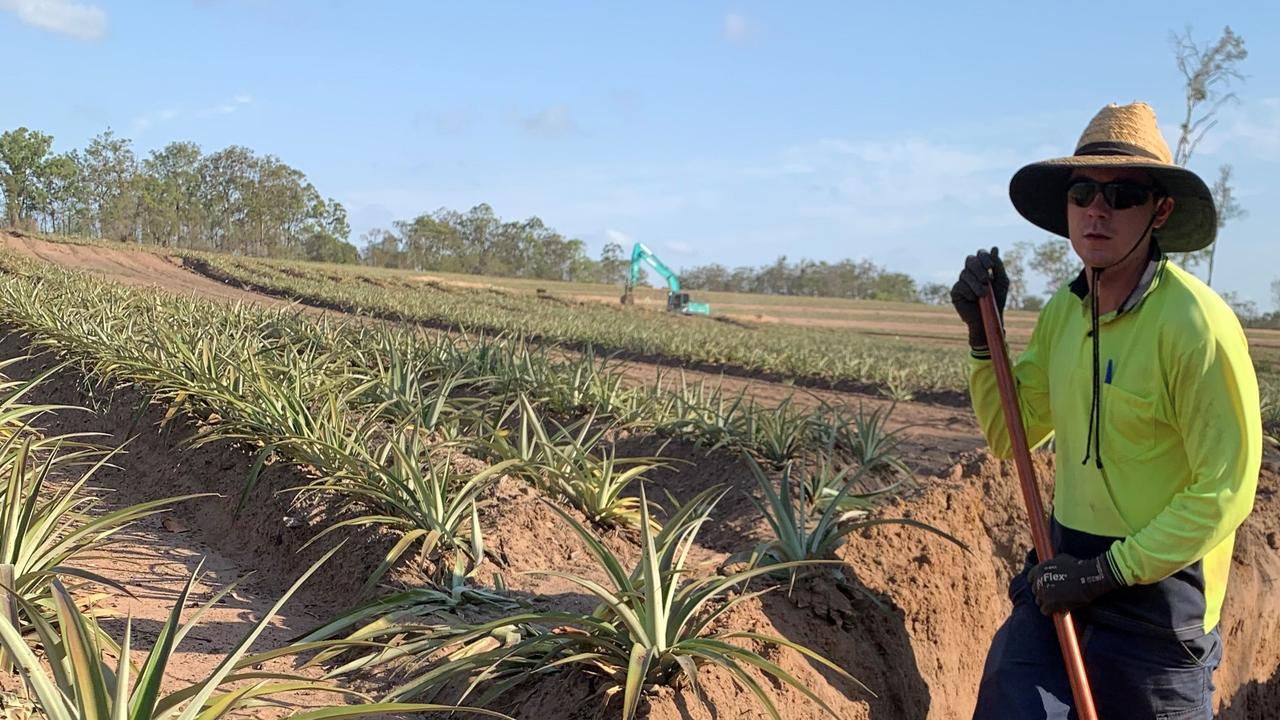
(1181, 441)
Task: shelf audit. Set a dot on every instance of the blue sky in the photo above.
(728, 133)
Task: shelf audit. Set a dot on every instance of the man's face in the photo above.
(1102, 235)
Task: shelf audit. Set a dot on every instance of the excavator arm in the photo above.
(677, 301)
(642, 254)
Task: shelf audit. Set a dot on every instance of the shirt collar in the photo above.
(1146, 284)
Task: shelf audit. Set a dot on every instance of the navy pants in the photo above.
(1134, 676)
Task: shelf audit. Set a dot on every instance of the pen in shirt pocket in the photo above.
(1108, 380)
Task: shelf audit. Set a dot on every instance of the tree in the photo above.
(227, 177)
(110, 175)
(174, 214)
(1015, 268)
(1246, 310)
(232, 200)
(614, 264)
(935, 293)
(1207, 71)
(323, 247)
(1228, 209)
(23, 155)
(382, 249)
(1054, 260)
(62, 188)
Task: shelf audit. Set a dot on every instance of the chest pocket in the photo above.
(1128, 424)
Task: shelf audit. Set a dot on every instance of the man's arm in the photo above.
(1032, 375)
(984, 272)
(1217, 412)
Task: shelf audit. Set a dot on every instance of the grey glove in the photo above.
(979, 270)
(1065, 583)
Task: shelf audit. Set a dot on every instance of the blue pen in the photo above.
(1108, 380)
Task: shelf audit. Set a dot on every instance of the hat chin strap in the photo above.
(1093, 447)
(1099, 268)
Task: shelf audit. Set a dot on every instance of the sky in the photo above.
(730, 133)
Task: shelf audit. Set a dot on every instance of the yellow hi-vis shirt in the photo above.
(1181, 442)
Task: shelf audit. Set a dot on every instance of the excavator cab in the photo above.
(679, 302)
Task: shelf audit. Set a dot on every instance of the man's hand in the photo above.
(979, 270)
(1065, 583)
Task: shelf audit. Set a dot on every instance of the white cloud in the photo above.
(617, 236)
(890, 187)
(555, 121)
(457, 121)
(224, 108)
(78, 20)
(679, 247)
(1243, 130)
(908, 173)
(736, 27)
(146, 121)
(1259, 129)
(781, 169)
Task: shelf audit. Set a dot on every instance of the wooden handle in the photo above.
(1031, 496)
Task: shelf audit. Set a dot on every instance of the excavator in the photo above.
(677, 301)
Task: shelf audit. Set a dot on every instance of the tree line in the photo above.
(232, 200)
(855, 279)
(479, 242)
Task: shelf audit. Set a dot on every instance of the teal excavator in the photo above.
(677, 301)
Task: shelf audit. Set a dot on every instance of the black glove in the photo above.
(1065, 583)
(978, 270)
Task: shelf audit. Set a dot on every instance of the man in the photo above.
(1142, 376)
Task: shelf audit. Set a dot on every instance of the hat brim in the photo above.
(1039, 193)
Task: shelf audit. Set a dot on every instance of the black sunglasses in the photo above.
(1119, 195)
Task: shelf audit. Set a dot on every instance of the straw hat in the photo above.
(1120, 136)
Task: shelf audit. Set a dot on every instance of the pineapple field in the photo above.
(239, 487)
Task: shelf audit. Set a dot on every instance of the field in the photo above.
(513, 495)
(899, 350)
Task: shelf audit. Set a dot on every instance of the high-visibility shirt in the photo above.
(1181, 441)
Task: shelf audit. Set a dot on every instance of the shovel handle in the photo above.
(1071, 656)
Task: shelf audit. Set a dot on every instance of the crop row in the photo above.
(813, 354)
(381, 417)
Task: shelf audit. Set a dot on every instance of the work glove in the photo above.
(978, 270)
(1065, 583)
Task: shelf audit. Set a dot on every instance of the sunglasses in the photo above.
(1119, 195)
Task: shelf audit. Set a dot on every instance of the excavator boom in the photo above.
(677, 301)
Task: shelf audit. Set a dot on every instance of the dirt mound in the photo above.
(915, 618)
(131, 267)
(951, 602)
(1249, 680)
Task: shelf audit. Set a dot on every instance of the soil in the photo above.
(911, 620)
